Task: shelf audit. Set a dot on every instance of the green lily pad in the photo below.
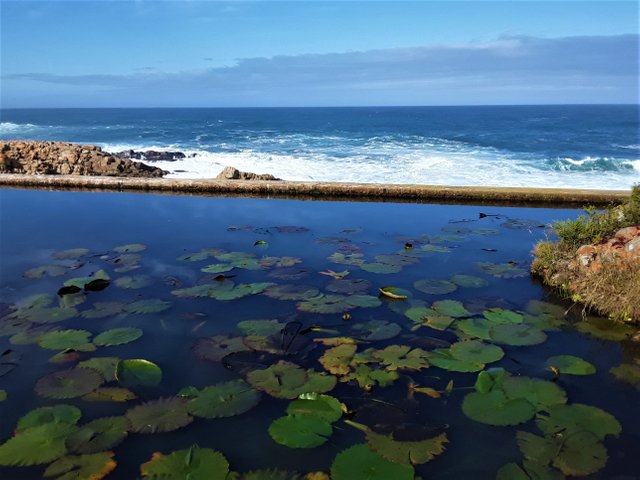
(117, 336)
(300, 431)
(361, 463)
(222, 400)
(418, 313)
(325, 304)
(110, 394)
(217, 268)
(198, 256)
(80, 282)
(511, 471)
(500, 316)
(70, 383)
(627, 372)
(98, 435)
(134, 282)
(368, 377)
(469, 281)
(142, 307)
(436, 248)
(229, 291)
(104, 309)
(95, 466)
(568, 419)
(517, 335)
(570, 365)
(402, 259)
(199, 291)
(260, 327)
(217, 347)
(130, 248)
(288, 380)
(401, 357)
(542, 394)
(3, 394)
(581, 454)
(381, 268)
(105, 365)
(37, 445)
(138, 372)
(71, 254)
(346, 259)
(490, 378)
(605, 329)
(194, 463)
(161, 415)
(62, 339)
(323, 406)
(291, 292)
(349, 286)
(363, 301)
(435, 287)
(504, 270)
(541, 450)
(494, 408)
(451, 308)
(279, 262)
(66, 414)
(45, 271)
(443, 358)
(375, 330)
(476, 351)
(46, 315)
(337, 360)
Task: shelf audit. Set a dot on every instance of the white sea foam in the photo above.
(13, 128)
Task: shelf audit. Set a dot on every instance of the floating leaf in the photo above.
(375, 330)
(570, 365)
(577, 417)
(130, 248)
(147, 306)
(138, 372)
(217, 268)
(494, 408)
(382, 268)
(162, 415)
(134, 282)
(627, 372)
(216, 348)
(469, 281)
(62, 339)
(325, 304)
(105, 365)
(104, 309)
(401, 357)
(394, 293)
(476, 351)
(504, 270)
(260, 327)
(94, 467)
(323, 406)
(346, 259)
(46, 315)
(222, 400)
(517, 334)
(37, 445)
(443, 358)
(194, 463)
(605, 329)
(80, 282)
(500, 316)
(361, 463)
(452, 308)
(337, 360)
(291, 292)
(436, 248)
(300, 431)
(363, 301)
(279, 262)
(117, 336)
(98, 435)
(475, 327)
(368, 377)
(71, 254)
(70, 383)
(435, 287)
(66, 414)
(349, 286)
(198, 256)
(581, 454)
(45, 271)
(490, 378)
(542, 394)
(288, 380)
(110, 394)
(511, 471)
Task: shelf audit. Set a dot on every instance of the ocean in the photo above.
(578, 146)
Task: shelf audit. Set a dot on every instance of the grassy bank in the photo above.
(580, 264)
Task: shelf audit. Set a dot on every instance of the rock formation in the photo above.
(60, 158)
(151, 155)
(231, 173)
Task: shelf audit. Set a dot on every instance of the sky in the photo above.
(153, 53)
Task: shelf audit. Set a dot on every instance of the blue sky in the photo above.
(302, 53)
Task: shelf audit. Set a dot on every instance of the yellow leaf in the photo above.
(388, 292)
(428, 391)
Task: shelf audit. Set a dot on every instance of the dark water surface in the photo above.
(446, 240)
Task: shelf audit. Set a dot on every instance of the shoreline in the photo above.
(543, 197)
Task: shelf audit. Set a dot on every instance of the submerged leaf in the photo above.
(375, 330)
(147, 306)
(216, 348)
(469, 281)
(70, 383)
(161, 415)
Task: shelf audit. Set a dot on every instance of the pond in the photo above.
(283, 338)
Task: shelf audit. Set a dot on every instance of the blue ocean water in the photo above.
(545, 146)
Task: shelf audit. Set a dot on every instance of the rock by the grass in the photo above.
(231, 173)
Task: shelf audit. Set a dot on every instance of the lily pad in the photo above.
(367, 377)
(162, 415)
(542, 394)
(605, 329)
(435, 287)
(361, 463)
(325, 304)
(349, 286)
(37, 445)
(62, 339)
(216, 348)
(45, 271)
(494, 408)
(443, 358)
(47, 315)
(98, 435)
(288, 380)
(104, 309)
(292, 273)
(66, 414)
(222, 400)
(110, 394)
(627, 372)
(500, 316)
(401, 357)
(503, 270)
(117, 336)
(337, 360)
(300, 431)
(568, 419)
(451, 308)
(80, 282)
(105, 365)
(130, 248)
(71, 254)
(194, 463)
(469, 281)
(375, 330)
(229, 291)
(260, 327)
(381, 268)
(476, 351)
(217, 268)
(517, 334)
(73, 467)
(147, 306)
(291, 292)
(70, 383)
(571, 365)
(323, 406)
(346, 259)
(134, 282)
(581, 454)
(138, 372)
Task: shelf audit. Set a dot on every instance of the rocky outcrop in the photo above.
(151, 155)
(621, 248)
(60, 158)
(231, 173)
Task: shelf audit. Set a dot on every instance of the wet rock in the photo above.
(60, 158)
(231, 173)
(151, 155)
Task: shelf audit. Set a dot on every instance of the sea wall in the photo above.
(60, 158)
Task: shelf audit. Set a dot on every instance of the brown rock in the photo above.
(231, 173)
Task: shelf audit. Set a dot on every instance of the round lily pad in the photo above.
(361, 463)
(291, 292)
(110, 394)
(66, 414)
(222, 400)
(349, 286)
(193, 463)
(105, 365)
(138, 372)
(452, 308)
(577, 417)
(375, 330)
(517, 334)
(147, 306)
(217, 347)
(71, 383)
(540, 393)
(627, 372)
(581, 454)
(494, 408)
(605, 329)
(300, 431)
(571, 365)
(117, 336)
(469, 281)
(37, 445)
(98, 435)
(62, 339)
(260, 327)
(325, 304)
(443, 358)
(162, 415)
(134, 282)
(502, 316)
(476, 351)
(475, 327)
(288, 380)
(324, 406)
(45, 271)
(95, 466)
(435, 287)
(130, 248)
(71, 254)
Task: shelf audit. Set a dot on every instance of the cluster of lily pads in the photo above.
(299, 360)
